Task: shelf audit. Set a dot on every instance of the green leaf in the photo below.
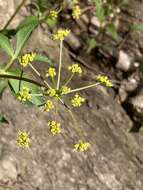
(138, 27)
(3, 119)
(34, 89)
(28, 20)
(43, 58)
(111, 29)
(100, 13)
(23, 35)
(6, 45)
(3, 85)
(91, 45)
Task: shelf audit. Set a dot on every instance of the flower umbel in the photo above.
(23, 139)
(51, 72)
(104, 80)
(82, 146)
(26, 59)
(65, 90)
(24, 94)
(77, 100)
(75, 68)
(76, 13)
(54, 127)
(48, 106)
(53, 14)
(61, 34)
(51, 92)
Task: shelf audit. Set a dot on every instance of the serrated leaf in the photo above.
(3, 119)
(138, 27)
(3, 85)
(43, 58)
(6, 45)
(23, 35)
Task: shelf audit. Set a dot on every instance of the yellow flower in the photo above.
(54, 127)
(24, 94)
(82, 146)
(75, 68)
(51, 92)
(104, 80)
(26, 59)
(76, 13)
(77, 100)
(48, 105)
(53, 14)
(23, 139)
(61, 34)
(65, 90)
(51, 72)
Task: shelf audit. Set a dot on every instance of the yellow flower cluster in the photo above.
(61, 34)
(48, 106)
(55, 127)
(76, 13)
(77, 100)
(51, 92)
(53, 14)
(65, 90)
(24, 94)
(104, 80)
(75, 68)
(23, 139)
(51, 72)
(26, 59)
(82, 146)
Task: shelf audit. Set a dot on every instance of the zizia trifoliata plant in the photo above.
(51, 89)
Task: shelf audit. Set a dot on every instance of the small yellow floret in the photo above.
(48, 106)
(75, 68)
(24, 94)
(76, 13)
(51, 72)
(104, 80)
(65, 90)
(51, 92)
(53, 14)
(55, 127)
(61, 34)
(26, 59)
(23, 139)
(82, 146)
(77, 100)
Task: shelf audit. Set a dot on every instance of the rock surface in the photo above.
(115, 161)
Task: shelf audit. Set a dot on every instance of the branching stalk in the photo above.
(83, 88)
(60, 64)
(70, 78)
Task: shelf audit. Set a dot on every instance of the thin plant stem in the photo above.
(21, 78)
(70, 78)
(36, 94)
(60, 64)
(14, 14)
(53, 81)
(39, 75)
(83, 88)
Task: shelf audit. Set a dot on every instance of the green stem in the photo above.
(21, 78)
(70, 78)
(39, 75)
(36, 94)
(14, 14)
(60, 65)
(83, 88)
